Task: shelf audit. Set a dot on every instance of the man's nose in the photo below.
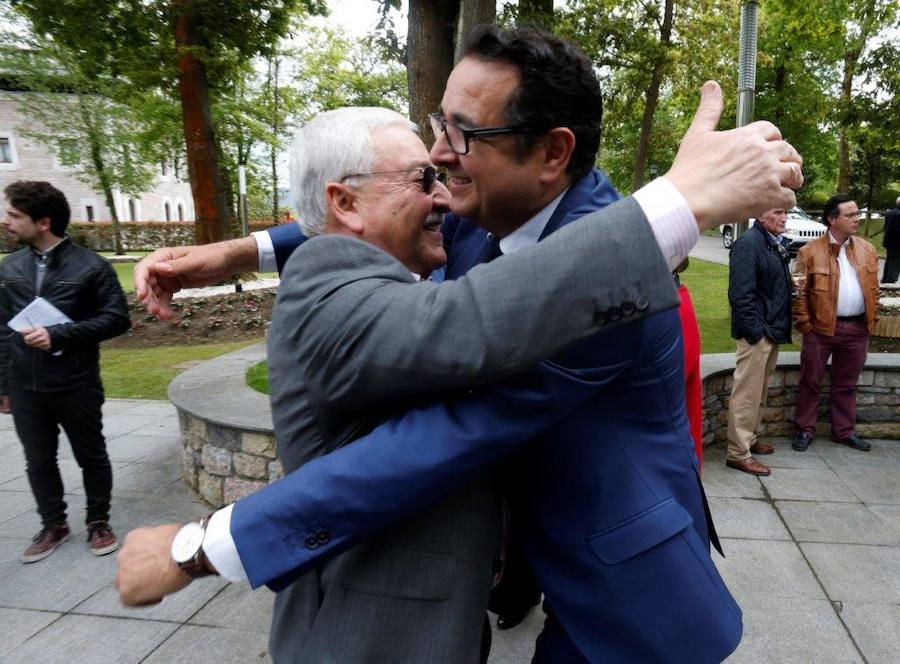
(440, 197)
(441, 153)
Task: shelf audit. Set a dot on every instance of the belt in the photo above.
(851, 318)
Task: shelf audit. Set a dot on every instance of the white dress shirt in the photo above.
(851, 301)
(673, 225)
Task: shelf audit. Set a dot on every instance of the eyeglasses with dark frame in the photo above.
(429, 174)
(456, 134)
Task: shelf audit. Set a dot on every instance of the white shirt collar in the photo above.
(530, 232)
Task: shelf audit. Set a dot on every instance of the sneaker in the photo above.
(46, 542)
(101, 538)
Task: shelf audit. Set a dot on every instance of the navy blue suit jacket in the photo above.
(607, 496)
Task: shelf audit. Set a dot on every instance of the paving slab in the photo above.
(57, 583)
(876, 629)
(807, 484)
(238, 607)
(92, 639)
(786, 457)
(210, 645)
(873, 485)
(839, 456)
(15, 503)
(176, 608)
(19, 625)
(888, 514)
(842, 523)
(769, 568)
(853, 572)
(745, 518)
(792, 631)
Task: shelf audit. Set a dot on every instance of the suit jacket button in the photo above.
(614, 313)
(627, 308)
(323, 536)
(641, 302)
(311, 542)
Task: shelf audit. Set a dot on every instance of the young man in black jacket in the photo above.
(759, 291)
(50, 374)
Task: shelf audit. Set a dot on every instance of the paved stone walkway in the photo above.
(813, 559)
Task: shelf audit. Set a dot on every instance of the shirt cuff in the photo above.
(219, 547)
(265, 251)
(670, 218)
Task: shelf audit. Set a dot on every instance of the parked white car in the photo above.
(800, 228)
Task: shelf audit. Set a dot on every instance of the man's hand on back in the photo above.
(735, 174)
(147, 572)
(166, 271)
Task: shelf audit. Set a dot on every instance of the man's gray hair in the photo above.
(328, 148)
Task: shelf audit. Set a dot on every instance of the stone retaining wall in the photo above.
(878, 398)
(229, 449)
(226, 428)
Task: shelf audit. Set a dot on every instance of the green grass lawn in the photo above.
(708, 284)
(145, 373)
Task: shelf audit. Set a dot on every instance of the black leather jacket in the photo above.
(83, 286)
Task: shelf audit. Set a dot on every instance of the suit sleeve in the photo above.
(339, 499)
(285, 238)
(368, 336)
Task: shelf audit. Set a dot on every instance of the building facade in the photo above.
(24, 158)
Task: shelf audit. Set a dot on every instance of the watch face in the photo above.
(187, 542)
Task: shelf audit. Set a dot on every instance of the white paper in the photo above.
(40, 313)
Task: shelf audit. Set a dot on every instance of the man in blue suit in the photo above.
(606, 495)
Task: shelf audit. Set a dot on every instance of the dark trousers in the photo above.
(891, 266)
(553, 645)
(847, 349)
(38, 416)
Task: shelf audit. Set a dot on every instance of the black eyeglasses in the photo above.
(458, 138)
(429, 174)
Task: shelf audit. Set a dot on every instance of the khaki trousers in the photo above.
(754, 364)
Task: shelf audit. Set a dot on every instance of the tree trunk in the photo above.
(207, 185)
(429, 57)
(536, 12)
(843, 183)
(652, 97)
(472, 13)
(273, 148)
(102, 175)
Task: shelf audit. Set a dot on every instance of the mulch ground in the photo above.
(206, 320)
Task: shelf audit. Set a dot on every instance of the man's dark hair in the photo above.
(833, 207)
(38, 200)
(558, 88)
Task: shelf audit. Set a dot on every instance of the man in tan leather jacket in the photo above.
(834, 310)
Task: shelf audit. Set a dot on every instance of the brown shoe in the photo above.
(761, 448)
(46, 542)
(749, 465)
(101, 538)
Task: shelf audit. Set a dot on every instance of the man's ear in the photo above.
(559, 144)
(43, 224)
(341, 203)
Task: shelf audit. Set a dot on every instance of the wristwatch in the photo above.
(187, 549)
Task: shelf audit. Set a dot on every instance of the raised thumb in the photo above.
(709, 110)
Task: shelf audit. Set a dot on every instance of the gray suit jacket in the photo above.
(351, 335)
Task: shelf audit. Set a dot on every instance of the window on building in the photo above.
(132, 210)
(180, 212)
(6, 154)
(69, 152)
(168, 211)
(89, 212)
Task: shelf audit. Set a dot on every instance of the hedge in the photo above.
(136, 235)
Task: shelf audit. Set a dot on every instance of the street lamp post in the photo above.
(746, 78)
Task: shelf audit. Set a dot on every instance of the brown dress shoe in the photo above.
(749, 465)
(46, 542)
(761, 448)
(101, 538)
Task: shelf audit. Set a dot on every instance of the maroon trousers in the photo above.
(847, 349)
